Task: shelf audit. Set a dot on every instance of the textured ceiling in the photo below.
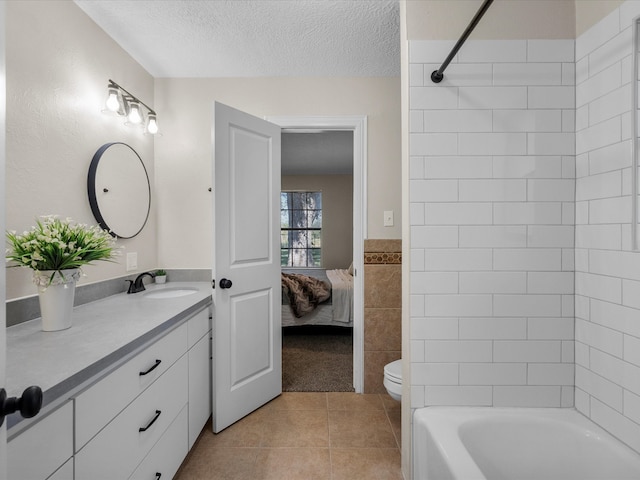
(254, 38)
(322, 153)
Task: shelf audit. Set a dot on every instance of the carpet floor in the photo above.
(317, 359)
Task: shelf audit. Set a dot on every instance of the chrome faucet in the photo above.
(137, 285)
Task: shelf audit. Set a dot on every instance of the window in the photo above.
(301, 229)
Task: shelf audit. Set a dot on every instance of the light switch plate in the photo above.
(388, 218)
(132, 261)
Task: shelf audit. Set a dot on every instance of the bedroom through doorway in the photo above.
(317, 228)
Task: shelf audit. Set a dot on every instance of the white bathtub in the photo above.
(460, 443)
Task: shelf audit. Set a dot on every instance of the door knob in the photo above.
(28, 404)
(224, 283)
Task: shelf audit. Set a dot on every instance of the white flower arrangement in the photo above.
(57, 245)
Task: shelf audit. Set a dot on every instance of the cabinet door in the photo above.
(39, 451)
(199, 387)
(166, 456)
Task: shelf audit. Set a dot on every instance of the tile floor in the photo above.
(307, 436)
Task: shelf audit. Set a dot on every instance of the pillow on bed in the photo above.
(350, 269)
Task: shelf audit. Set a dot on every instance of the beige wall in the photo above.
(337, 214)
(589, 12)
(183, 154)
(505, 19)
(58, 64)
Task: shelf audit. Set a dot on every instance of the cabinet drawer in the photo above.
(198, 325)
(37, 452)
(97, 405)
(166, 456)
(118, 449)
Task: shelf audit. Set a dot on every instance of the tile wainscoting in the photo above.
(382, 309)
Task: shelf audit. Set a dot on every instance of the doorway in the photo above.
(357, 126)
(317, 245)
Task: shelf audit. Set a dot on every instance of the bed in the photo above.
(337, 310)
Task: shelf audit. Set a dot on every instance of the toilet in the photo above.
(393, 379)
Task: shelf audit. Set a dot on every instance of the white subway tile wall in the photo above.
(607, 330)
(492, 194)
(525, 290)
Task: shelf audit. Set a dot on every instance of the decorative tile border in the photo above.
(383, 252)
(383, 258)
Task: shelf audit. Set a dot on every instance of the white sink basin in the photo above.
(170, 292)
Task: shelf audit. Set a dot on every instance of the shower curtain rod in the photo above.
(438, 75)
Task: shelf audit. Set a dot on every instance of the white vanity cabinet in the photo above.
(43, 448)
(151, 434)
(135, 421)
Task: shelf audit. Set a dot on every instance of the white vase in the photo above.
(161, 278)
(56, 291)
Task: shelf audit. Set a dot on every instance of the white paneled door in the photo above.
(248, 344)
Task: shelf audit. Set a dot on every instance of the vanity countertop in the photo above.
(104, 334)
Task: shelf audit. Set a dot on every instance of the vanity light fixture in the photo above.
(135, 115)
(152, 124)
(113, 103)
(123, 103)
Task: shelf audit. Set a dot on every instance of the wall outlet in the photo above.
(388, 218)
(132, 261)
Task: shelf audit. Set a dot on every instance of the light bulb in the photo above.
(135, 116)
(152, 124)
(113, 103)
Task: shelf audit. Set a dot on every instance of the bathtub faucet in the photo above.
(137, 285)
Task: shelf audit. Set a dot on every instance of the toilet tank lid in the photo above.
(394, 369)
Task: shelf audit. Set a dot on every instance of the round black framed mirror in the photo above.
(119, 190)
